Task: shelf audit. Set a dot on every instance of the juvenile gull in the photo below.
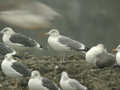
(18, 41)
(37, 82)
(99, 56)
(70, 84)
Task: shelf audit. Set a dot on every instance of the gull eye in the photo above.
(5, 56)
(5, 30)
(35, 74)
(53, 31)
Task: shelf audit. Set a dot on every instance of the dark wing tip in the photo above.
(21, 68)
(49, 84)
(87, 48)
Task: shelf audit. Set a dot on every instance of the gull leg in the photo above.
(16, 87)
(16, 84)
(62, 59)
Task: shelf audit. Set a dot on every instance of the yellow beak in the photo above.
(114, 50)
(46, 34)
(41, 35)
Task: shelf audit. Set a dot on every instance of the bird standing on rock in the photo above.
(13, 69)
(64, 44)
(37, 82)
(70, 84)
(18, 41)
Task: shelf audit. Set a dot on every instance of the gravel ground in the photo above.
(51, 67)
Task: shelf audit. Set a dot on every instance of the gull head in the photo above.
(35, 74)
(96, 50)
(9, 56)
(7, 30)
(64, 75)
(53, 32)
(100, 46)
(117, 49)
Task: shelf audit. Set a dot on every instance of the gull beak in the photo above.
(41, 35)
(46, 34)
(114, 50)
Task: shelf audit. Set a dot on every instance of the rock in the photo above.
(77, 67)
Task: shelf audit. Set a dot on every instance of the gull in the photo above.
(13, 69)
(18, 41)
(63, 44)
(37, 82)
(117, 49)
(70, 84)
(99, 56)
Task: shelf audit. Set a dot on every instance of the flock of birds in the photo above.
(14, 42)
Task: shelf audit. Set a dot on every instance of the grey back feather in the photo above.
(75, 45)
(76, 85)
(49, 84)
(105, 60)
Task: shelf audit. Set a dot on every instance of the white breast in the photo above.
(54, 44)
(6, 39)
(36, 84)
(8, 70)
(65, 85)
(91, 56)
(118, 58)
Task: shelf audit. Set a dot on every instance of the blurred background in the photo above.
(88, 21)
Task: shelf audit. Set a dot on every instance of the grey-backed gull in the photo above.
(13, 69)
(100, 57)
(64, 44)
(37, 82)
(70, 84)
(18, 41)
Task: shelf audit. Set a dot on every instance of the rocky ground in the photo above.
(51, 67)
